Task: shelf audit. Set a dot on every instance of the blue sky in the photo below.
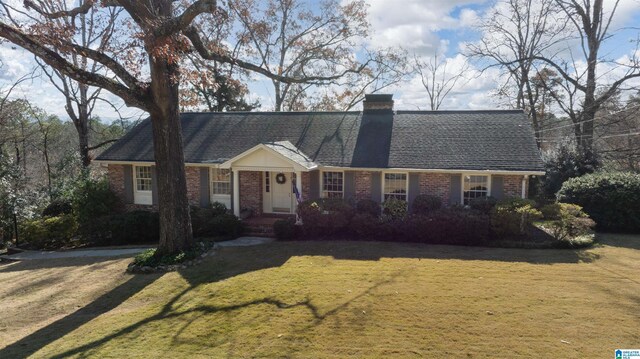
(420, 26)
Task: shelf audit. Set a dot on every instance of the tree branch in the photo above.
(198, 45)
(82, 9)
(132, 97)
(185, 19)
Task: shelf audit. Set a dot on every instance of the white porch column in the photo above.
(299, 185)
(236, 192)
(524, 183)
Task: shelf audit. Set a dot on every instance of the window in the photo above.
(475, 187)
(332, 184)
(220, 182)
(142, 185)
(143, 178)
(395, 185)
(267, 182)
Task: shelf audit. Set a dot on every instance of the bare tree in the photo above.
(617, 133)
(143, 70)
(94, 29)
(514, 34)
(586, 91)
(289, 38)
(436, 79)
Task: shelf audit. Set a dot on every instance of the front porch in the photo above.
(269, 179)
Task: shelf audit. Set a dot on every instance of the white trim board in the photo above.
(338, 168)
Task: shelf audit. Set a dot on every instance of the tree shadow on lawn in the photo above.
(365, 250)
(231, 262)
(171, 310)
(97, 263)
(39, 339)
(622, 240)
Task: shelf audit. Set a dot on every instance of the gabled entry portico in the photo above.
(279, 166)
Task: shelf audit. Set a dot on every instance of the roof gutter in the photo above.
(343, 168)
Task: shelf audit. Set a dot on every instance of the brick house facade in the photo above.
(262, 161)
(446, 186)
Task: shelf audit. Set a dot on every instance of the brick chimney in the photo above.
(378, 103)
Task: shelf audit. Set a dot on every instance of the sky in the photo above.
(422, 27)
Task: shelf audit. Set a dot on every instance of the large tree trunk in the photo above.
(173, 205)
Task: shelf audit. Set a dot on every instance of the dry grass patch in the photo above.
(334, 299)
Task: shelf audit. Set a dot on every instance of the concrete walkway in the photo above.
(114, 252)
(245, 242)
(80, 253)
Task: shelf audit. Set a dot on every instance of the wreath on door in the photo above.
(281, 178)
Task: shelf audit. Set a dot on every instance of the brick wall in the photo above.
(512, 186)
(363, 185)
(436, 184)
(193, 185)
(115, 174)
(251, 190)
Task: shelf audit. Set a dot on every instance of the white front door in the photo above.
(281, 192)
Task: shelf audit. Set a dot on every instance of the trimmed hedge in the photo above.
(612, 199)
(126, 228)
(325, 216)
(449, 226)
(424, 204)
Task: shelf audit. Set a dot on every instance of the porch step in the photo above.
(262, 226)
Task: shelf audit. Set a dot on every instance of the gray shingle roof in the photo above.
(288, 150)
(466, 140)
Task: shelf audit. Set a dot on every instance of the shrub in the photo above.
(93, 199)
(550, 211)
(325, 216)
(58, 207)
(368, 206)
(149, 257)
(449, 226)
(286, 229)
(227, 225)
(611, 199)
(365, 225)
(218, 208)
(125, 228)
(393, 209)
(425, 204)
(49, 233)
(571, 222)
(513, 217)
(566, 162)
(215, 221)
(483, 204)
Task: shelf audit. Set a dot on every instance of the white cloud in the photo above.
(413, 24)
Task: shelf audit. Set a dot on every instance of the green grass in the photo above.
(333, 299)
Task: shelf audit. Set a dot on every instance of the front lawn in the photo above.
(332, 299)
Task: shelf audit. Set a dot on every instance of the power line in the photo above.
(593, 119)
(596, 138)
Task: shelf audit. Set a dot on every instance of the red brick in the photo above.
(251, 190)
(363, 185)
(193, 185)
(115, 174)
(436, 184)
(512, 186)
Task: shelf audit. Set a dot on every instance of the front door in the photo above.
(281, 193)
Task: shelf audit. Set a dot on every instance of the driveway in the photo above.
(115, 252)
(79, 253)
